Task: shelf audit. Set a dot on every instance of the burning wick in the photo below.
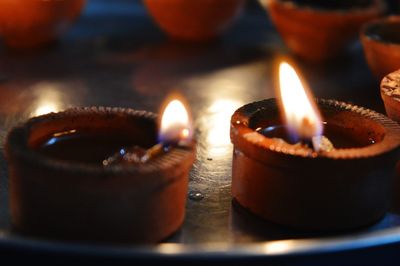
(322, 144)
(280, 133)
(135, 154)
(175, 131)
(300, 112)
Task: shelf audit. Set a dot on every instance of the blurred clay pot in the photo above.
(381, 41)
(34, 23)
(319, 30)
(194, 20)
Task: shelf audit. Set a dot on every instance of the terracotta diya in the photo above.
(319, 30)
(339, 181)
(381, 42)
(34, 23)
(89, 174)
(390, 93)
(194, 20)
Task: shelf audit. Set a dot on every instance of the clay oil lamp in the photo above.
(319, 30)
(100, 174)
(35, 23)
(390, 93)
(322, 166)
(381, 42)
(194, 20)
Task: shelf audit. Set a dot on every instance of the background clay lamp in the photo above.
(318, 30)
(381, 42)
(194, 20)
(294, 185)
(390, 93)
(34, 23)
(60, 189)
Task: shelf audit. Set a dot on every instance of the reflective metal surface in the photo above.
(115, 56)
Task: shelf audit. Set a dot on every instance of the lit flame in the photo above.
(175, 123)
(300, 112)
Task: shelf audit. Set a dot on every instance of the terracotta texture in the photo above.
(390, 92)
(297, 187)
(383, 57)
(63, 200)
(316, 34)
(34, 23)
(194, 20)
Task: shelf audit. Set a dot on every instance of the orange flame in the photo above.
(175, 125)
(300, 112)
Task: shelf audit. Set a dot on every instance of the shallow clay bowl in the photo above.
(295, 186)
(381, 42)
(78, 201)
(35, 23)
(318, 30)
(390, 93)
(194, 20)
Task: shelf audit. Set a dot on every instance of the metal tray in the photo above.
(116, 56)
